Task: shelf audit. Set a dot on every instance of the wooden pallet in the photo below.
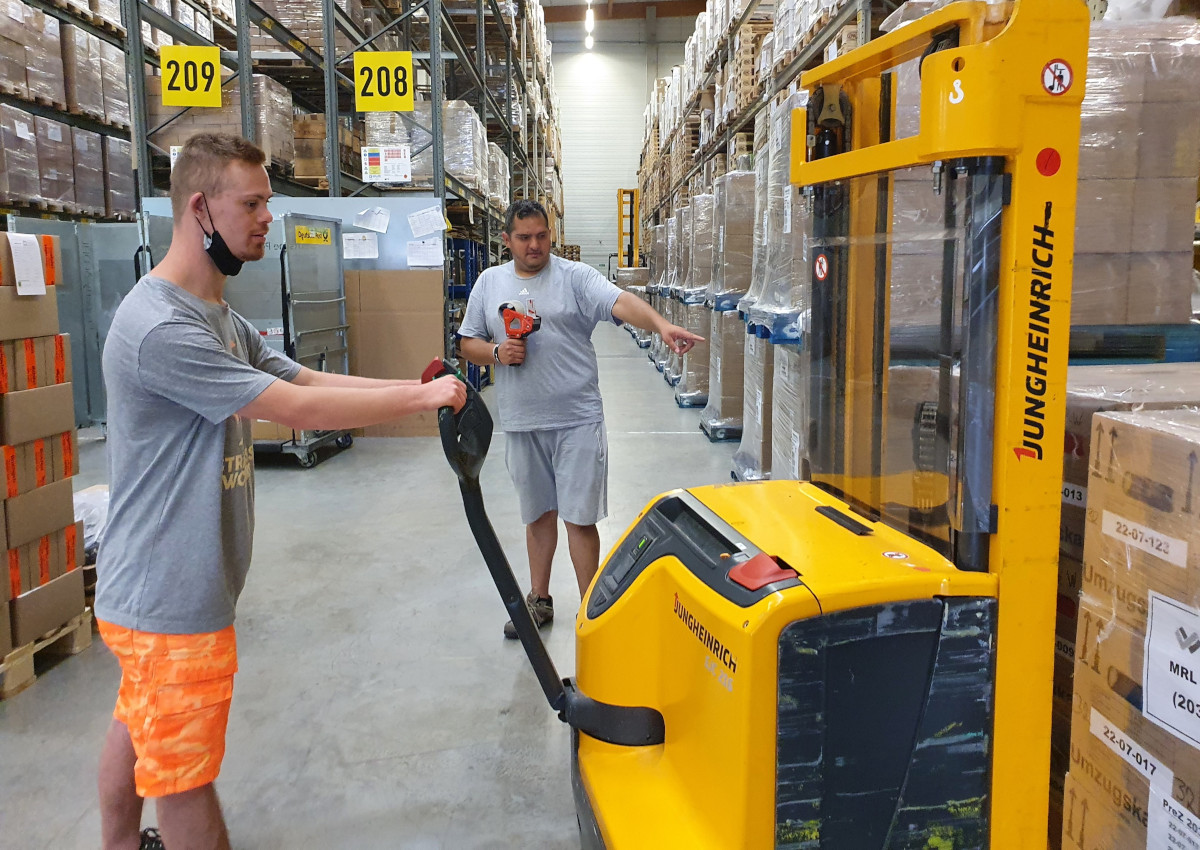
(17, 669)
(13, 90)
(321, 182)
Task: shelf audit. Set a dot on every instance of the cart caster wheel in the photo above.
(307, 460)
(345, 441)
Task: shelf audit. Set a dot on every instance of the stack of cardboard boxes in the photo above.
(1135, 735)
(1139, 158)
(43, 544)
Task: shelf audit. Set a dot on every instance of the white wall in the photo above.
(602, 94)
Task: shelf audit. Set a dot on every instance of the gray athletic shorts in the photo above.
(564, 470)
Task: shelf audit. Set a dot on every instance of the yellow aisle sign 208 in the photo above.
(383, 81)
(190, 75)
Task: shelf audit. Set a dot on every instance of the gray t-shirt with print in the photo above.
(176, 549)
(558, 384)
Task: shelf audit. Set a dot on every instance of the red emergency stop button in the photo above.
(760, 571)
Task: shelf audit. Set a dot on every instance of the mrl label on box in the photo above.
(1171, 671)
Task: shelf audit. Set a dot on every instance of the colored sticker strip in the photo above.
(48, 260)
(68, 453)
(10, 470)
(3, 371)
(60, 360)
(72, 555)
(39, 462)
(31, 375)
(44, 561)
(14, 572)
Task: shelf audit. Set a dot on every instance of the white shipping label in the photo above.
(1133, 753)
(784, 368)
(1170, 826)
(758, 405)
(787, 212)
(1147, 539)
(54, 132)
(721, 239)
(752, 346)
(23, 131)
(796, 453)
(1171, 669)
(16, 11)
(27, 263)
(1075, 495)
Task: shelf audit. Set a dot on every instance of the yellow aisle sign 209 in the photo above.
(383, 81)
(191, 75)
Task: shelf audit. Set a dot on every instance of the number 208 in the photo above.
(387, 81)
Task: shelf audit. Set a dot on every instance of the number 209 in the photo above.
(192, 74)
(387, 81)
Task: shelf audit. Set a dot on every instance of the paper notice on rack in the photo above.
(425, 253)
(27, 263)
(387, 164)
(426, 221)
(376, 218)
(360, 246)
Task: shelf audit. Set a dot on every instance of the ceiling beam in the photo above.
(624, 11)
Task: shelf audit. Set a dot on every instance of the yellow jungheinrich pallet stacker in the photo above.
(862, 660)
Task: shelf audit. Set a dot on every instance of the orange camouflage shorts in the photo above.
(174, 698)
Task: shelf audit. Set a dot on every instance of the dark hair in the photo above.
(201, 166)
(523, 209)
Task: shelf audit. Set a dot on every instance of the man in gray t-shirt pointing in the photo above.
(185, 376)
(556, 448)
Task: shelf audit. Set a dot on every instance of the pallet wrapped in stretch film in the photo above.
(89, 171)
(12, 48)
(672, 363)
(752, 460)
(733, 226)
(499, 180)
(789, 412)
(19, 180)
(660, 293)
(43, 57)
(82, 72)
(762, 170)
(119, 190)
(116, 85)
(692, 389)
(464, 144)
(722, 416)
(1139, 161)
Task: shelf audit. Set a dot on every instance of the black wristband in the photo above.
(496, 354)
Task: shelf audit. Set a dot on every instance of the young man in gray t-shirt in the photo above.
(547, 385)
(185, 377)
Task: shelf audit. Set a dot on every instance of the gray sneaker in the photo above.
(541, 609)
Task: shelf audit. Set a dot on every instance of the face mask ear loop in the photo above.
(211, 225)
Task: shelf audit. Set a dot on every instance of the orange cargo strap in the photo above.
(3, 371)
(72, 542)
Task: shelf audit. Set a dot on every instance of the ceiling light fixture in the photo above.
(589, 42)
(589, 20)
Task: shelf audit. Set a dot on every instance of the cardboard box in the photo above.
(65, 455)
(38, 463)
(45, 608)
(395, 320)
(39, 512)
(261, 429)
(1142, 533)
(1094, 389)
(1099, 289)
(34, 362)
(1164, 212)
(1160, 289)
(1104, 216)
(5, 627)
(30, 414)
(1107, 143)
(26, 315)
(1171, 147)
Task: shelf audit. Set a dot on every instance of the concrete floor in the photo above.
(377, 704)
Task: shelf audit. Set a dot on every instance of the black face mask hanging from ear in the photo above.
(224, 259)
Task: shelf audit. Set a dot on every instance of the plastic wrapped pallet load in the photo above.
(673, 367)
(498, 177)
(733, 218)
(89, 171)
(692, 389)
(19, 182)
(660, 291)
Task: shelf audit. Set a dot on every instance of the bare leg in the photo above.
(541, 538)
(192, 820)
(120, 806)
(583, 541)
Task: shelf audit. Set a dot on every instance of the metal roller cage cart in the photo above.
(296, 298)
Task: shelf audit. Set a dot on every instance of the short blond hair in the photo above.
(201, 166)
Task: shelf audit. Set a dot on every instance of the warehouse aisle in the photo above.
(378, 705)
